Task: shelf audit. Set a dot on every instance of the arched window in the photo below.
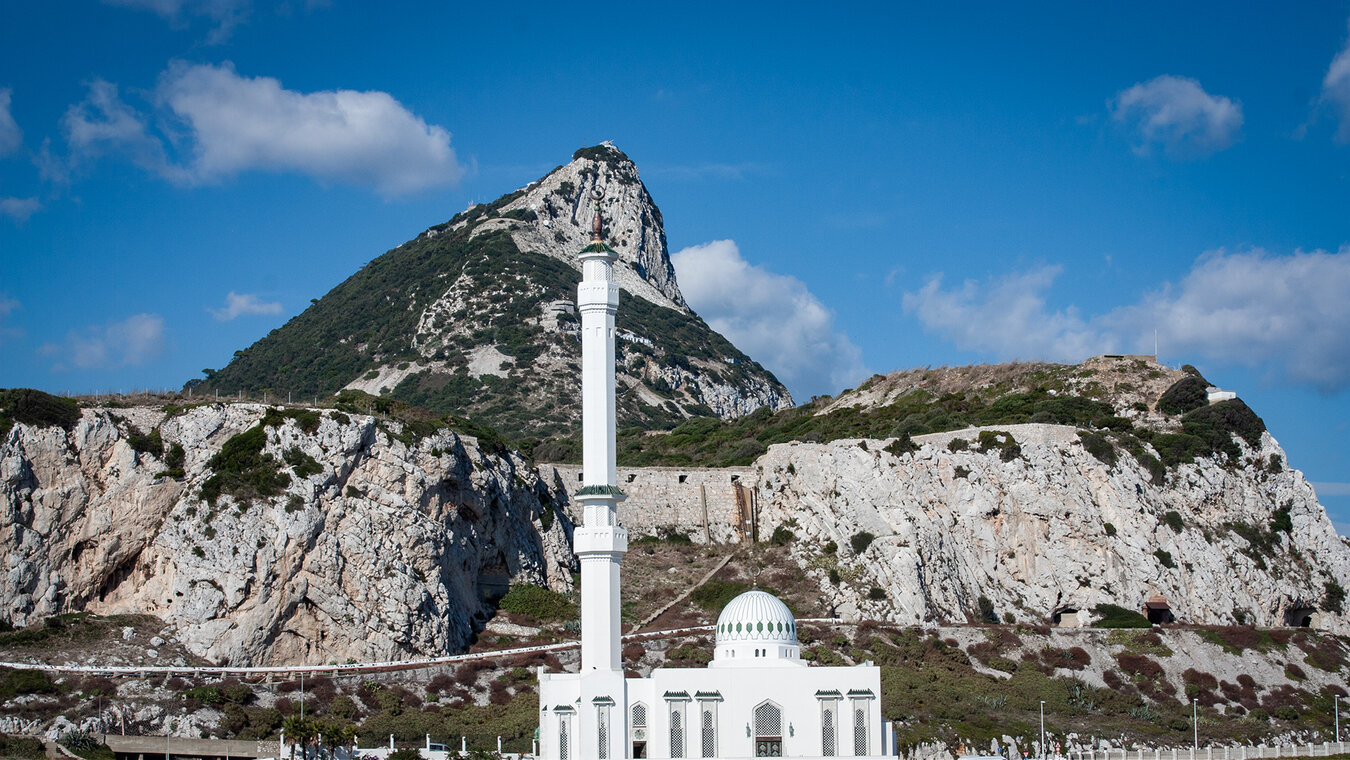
(768, 730)
(859, 732)
(709, 732)
(677, 729)
(828, 733)
(637, 724)
(602, 731)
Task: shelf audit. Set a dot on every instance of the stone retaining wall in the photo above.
(674, 499)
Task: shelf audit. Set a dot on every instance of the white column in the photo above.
(600, 542)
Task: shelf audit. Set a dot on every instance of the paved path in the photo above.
(685, 595)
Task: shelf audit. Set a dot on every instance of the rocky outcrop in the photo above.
(377, 548)
(1048, 527)
(558, 211)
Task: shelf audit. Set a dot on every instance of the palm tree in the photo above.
(301, 731)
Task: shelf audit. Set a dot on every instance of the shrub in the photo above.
(22, 747)
(1110, 529)
(36, 409)
(1185, 394)
(1286, 712)
(537, 603)
(876, 593)
(830, 547)
(902, 445)
(860, 541)
(957, 444)
(1173, 520)
(306, 419)
(1099, 446)
(86, 745)
(1165, 558)
(405, 753)
(1280, 521)
(1333, 599)
(782, 536)
(302, 464)
(1000, 441)
(986, 608)
(174, 459)
(207, 695)
(147, 443)
(16, 682)
(716, 593)
(1139, 666)
(243, 471)
(1114, 616)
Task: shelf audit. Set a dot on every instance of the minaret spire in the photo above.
(600, 542)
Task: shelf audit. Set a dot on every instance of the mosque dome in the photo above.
(756, 616)
(755, 628)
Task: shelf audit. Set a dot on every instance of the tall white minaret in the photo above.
(600, 542)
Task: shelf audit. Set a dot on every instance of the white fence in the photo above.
(1240, 752)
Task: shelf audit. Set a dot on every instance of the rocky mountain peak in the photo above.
(553, 216)
(476, 317)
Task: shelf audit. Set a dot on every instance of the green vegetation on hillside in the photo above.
(1206, 430)
(372, 319)
(33, 407)
(716, 443)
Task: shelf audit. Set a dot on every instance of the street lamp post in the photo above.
(1042, 728)
(1195, 724)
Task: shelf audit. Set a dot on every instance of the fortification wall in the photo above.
(702, 503)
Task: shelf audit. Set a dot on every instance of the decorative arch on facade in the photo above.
(768, 729)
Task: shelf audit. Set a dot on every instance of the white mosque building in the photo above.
(757, 698)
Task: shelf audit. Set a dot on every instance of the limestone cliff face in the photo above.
(379, 554)
(1054, 528)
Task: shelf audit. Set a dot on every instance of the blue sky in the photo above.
(889, 187)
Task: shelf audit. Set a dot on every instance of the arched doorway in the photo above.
(768, 730)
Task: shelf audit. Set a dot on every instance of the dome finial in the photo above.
(598, 223)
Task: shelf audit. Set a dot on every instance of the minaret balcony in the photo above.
(604, 538)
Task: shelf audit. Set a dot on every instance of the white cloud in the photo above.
(1332, 489)
(241, 304)
(135, 340)
(362, 138)
(226, 14)
(1283, 314)
(19, 209)
(224, 124)
(771, 317)
(1177, 114)
(1336, 90)
(11, 137)
(716, 171)
(1007, 317)
(101, 125)
(8, 305)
